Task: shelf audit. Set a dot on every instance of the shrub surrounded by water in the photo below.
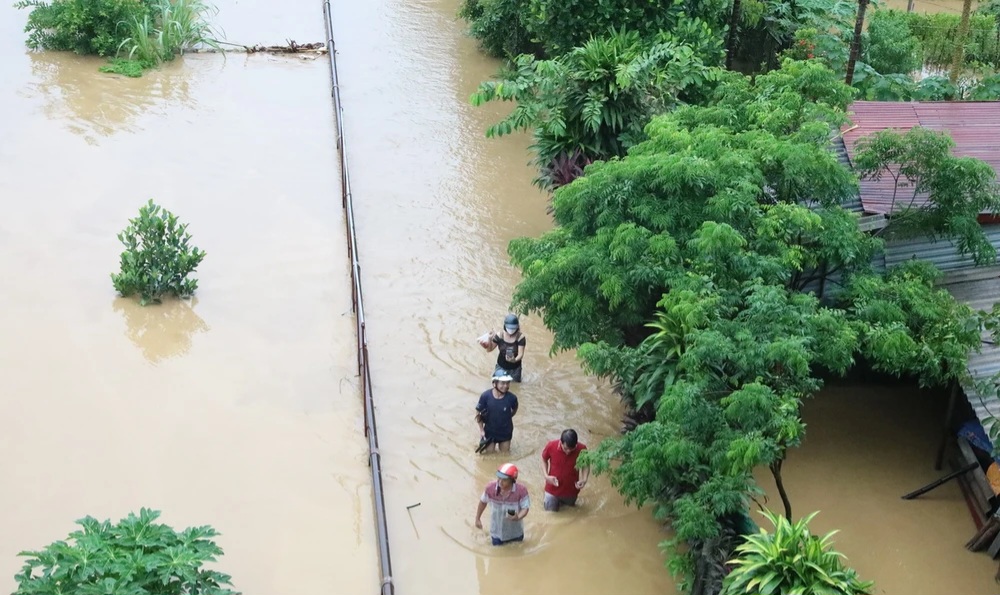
(135, 34)
(158, 257)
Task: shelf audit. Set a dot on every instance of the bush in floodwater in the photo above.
(147, 31)
(171, 28)
(158, 257)
(136, 555)
(81, 26)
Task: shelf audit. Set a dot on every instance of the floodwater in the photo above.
(865, 447)
(240, 408)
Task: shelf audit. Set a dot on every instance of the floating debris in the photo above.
(290, 47)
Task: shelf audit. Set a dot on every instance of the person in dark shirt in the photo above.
(511, 343)
(495, 415)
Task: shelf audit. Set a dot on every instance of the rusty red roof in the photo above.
(973, 125)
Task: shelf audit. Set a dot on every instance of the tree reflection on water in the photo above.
(95, 104)
(163, 330)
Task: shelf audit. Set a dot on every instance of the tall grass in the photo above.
(173, 27)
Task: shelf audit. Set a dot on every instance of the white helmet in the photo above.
(503, 378)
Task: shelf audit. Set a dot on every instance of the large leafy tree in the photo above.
(624, 228)
(691, 272)
(593, 102)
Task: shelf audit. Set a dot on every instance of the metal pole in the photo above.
(357, 299)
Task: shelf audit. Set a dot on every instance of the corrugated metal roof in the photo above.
(840, 150)
(974, 126)
(980, 291)
(942, 253)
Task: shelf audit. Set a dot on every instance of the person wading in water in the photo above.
(511, 343)
(510, 503)
(495, 415)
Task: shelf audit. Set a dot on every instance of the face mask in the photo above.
(510, 329)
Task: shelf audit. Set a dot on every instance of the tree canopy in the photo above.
(712, 274)
(593, 102)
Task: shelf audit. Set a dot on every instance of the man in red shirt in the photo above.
(563, 481)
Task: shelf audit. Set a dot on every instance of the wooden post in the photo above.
(909, 6)
(856, 42)
(946, 434)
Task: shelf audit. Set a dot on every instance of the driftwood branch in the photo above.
(290, 47)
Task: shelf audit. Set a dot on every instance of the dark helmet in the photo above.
(511, 321)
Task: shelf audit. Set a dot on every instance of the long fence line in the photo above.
(357, 299)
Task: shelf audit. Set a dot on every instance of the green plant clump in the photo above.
(158, 257)
(126, 67)
(135, 556)
(171, 28)
(81, 26)
(791, 561)
(147, 32)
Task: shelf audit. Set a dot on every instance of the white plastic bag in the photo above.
(485, 341)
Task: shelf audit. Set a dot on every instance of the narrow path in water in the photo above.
(436, 205)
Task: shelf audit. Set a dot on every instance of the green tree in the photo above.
(791, 561)
(158, 256)
(593, 102)
(690, 272)
(561, 25)
(910, 327)
(136, 555)
(934, 193)
(891, 48)
(500, 26)
(771, 28)
(623, 229)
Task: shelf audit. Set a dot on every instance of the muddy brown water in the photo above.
(240, 408)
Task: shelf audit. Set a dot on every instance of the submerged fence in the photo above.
(357, 298)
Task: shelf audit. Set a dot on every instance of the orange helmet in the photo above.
(507, 471)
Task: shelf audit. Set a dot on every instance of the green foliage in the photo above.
(561, 25)
(173, 27)
(937, 34)
(822, 28)
(148, 31)
(628, 225)
(500, 26)
(987, 89)
(126, 67)
(908, 326)
(595, 100)
(900, 87)
(135, 556)
(158, 256)
(791, 561)
(890, 47)
(934, 193)
(81, 26)
(690, 272)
